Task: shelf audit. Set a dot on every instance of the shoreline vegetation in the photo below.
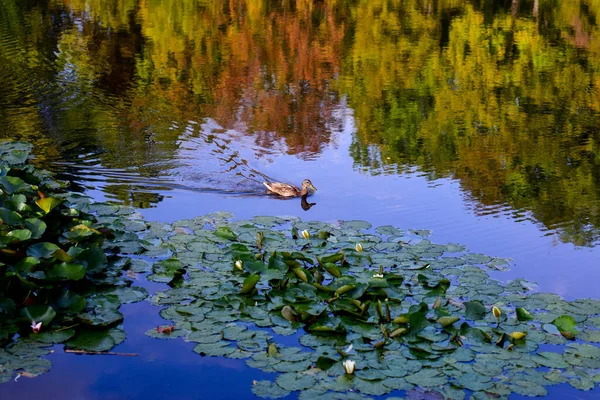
(375, 311)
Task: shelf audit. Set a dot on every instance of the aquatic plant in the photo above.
(60, 278)
(412, 315)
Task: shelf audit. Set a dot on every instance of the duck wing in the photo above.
(282, 189)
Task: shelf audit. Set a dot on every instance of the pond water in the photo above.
(476, 120)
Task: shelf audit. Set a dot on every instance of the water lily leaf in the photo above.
(356, 225)
(292, 381)
(47, 204)
(475, 310)
(65, 271)
(268, 390)
(10, 217)
(249, 284)
(427, 378)
(447, 321)
(39, 313)
(42, 250)
(36, 226)
(523, 314)
(566, 326)
(375, 388)
(333, 269)
(225, 232)
(70, 301)
(15, 152)
(218, 349)
(301, 274)
(97, 340)
(127, 295)
(55, 337)
(527, 388)
(288, 313)
(13, 184)
(254, 266)
(550, 360)
(19, 235)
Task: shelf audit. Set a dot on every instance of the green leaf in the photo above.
(70, 302)
(566, 326)
(268, 390)
(475, 310)
(12, 184)
(36, 226)
(447, 321)
(10, 217)
(39, 313)
(65, 271)
(523, 314)
(19, 235)
(295, 381)
(18, 202)
(13, 153)
(225, 233)
(42, 250)
(96, 340)
(249, 284)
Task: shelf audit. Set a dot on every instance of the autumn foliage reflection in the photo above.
(502, 95)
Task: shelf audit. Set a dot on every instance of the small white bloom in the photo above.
(36, 327)
(358, 247)
(378, 276)
(238, 265)
(349, 349)
(306, 234)
(349, 366)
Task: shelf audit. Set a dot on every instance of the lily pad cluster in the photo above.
(413, 315)
(61, 276)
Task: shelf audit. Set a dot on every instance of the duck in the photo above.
(287, 190)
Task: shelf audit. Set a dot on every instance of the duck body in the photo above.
(287, 190)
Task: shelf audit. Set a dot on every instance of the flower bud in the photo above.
(349, 366)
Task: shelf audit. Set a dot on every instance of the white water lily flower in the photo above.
(35, 328)
(306, 234)
(378, 276)
(238, 265)
(349, 366)
(496, 311)
(358, 247)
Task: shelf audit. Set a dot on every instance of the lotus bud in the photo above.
(238, 265)
(306, 234)
(358, 247)
(35, 328)
(349, 366)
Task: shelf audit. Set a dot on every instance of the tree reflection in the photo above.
(502, 96)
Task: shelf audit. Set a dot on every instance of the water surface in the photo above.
(475, 119)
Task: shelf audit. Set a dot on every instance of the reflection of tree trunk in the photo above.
(536, 4)
(514, 8)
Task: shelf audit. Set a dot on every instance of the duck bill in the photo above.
(312, 187)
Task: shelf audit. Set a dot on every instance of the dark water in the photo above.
(478, 120)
